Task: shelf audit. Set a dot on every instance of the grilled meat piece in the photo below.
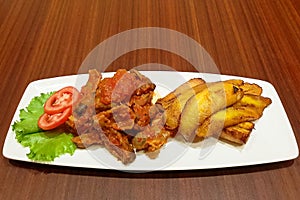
(112, 112)
(116, 141)
(121, 88)
(88, 139)
(153, 136)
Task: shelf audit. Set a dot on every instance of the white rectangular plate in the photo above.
(272, 140)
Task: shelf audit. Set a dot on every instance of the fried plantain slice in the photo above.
(213, 98)
(251, 88)
(238, 134)
(225, 118)
(259, 102)
(183, 88)
(236, 82)
(175, 101)
(249, 108)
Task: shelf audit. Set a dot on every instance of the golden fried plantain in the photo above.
(174, 102)
(215, 97)
(259, 102)
(238, 134)
(248, 88)
(245, 125)
(251, 88)
(231, 116)
(249, 108)
(236, 82)
(182, 89)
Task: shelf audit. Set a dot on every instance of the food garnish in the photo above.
(50, 121)
(58, 108)
(43, 145)
(61, 100)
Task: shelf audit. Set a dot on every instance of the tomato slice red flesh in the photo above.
(61, 100)
(51, 121)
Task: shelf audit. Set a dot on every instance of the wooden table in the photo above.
(41, 39)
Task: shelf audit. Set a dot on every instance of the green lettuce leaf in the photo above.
(29, 117)
(43, 145)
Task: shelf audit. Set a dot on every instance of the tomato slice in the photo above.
(48, 121)
(61, 100)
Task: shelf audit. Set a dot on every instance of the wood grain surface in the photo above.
(251, 38)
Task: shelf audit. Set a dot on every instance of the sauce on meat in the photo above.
(107, 85)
